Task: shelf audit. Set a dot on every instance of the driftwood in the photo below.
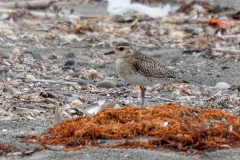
(51, 15)
(29, 4)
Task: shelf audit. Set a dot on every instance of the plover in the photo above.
(139, 69)
(93, 108)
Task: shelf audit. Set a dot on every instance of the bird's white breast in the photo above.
(129, 74)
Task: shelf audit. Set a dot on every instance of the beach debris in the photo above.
(221, 25)
(161, 127)
(116, 7)
(222, 85)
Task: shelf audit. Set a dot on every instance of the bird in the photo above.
(87, 110)
(138, 69)
(92, 108)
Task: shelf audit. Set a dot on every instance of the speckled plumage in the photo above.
(139, 69)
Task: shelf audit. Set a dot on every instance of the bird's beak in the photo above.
(111, 52)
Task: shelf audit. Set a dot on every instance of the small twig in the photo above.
(53, 71)
(228, 13)
(43, 67)
(213, 96)
(27, 109)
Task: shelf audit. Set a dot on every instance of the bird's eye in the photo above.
(121, 48)
(78, 112)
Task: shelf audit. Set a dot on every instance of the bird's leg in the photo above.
(143, 89)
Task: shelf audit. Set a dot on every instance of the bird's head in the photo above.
(76, 112)
(122, 50)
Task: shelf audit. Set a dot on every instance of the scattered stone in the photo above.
(194, 51)
(75, 103)
(88, 81)
(3, 55)
(113, 75)
(17, 56)
(16, 51)
(52, 56)
(193, 72)
(227, 92)
(76, 74)
(176, 35)
(120, 84)
(69, 63)
(105, 84)
(35, 56)
(50, 106)
(93, 75)
(47, 36)
(222, 85)
(83, 82)
(168, 96)
(6, 32)
(176, 93)
(27, 52)
(4, 70)
(29, 78)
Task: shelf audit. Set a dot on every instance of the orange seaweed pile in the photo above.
(157, 127)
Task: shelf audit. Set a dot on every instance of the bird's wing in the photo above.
(152, 68)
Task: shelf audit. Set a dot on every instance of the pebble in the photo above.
(75, 103)
(222, 85)
(55, 87)
(70, 55)
(120, 84)
(84, 82)
(167, 96)
(81, 82)
(227, 92)
(176, 93)
(35, 56)
(76, 74)
(3, 55)
(93, 75)
(29, 78)
(69, 63)
(105, 84)
(113, 75)
(52, 56)
(17, 76)
(193, 72)
(194, 51)
(4, 70)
